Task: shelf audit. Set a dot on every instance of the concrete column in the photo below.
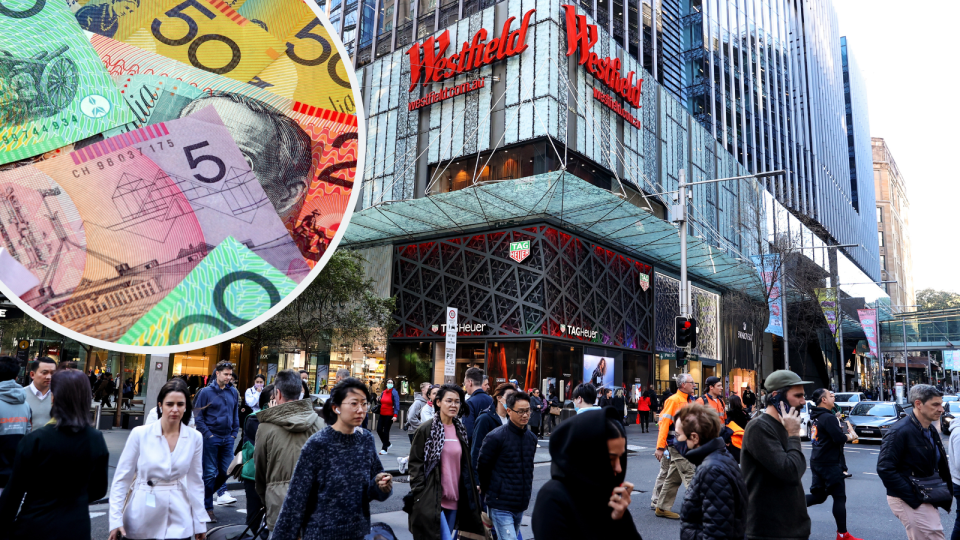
(158, 367)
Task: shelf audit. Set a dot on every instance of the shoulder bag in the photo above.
(932, 489)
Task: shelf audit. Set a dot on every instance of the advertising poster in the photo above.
(768, 266)
(598, 370)
(828, 303)
(323, 373)
(868, 320)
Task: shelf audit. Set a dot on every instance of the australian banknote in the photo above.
(53, 89)
(43, 232)
(304, 156)
(310, 70)
(206, 34)
(229, 288)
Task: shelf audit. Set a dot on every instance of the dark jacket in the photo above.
(826, 452)
(573, 504)
(479, 401)
(425, 489)
(217, 411)
(906, 451)
(738, 416)
(654, 399)
(772, 465)
(618, 403)
(749, 398)
(536, 413)
(715, 505)
(505, 467)
(488, 421)
(61, 472)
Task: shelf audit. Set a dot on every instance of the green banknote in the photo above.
(54, 90)
(229, 288)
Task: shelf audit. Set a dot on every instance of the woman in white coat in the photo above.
(157, 490)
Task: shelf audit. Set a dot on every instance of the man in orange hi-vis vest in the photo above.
(674, 468)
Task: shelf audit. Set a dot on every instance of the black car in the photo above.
(871, 419)
(951, 409)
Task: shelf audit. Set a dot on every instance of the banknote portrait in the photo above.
(276, 148)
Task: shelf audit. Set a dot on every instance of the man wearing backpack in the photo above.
(714, 398)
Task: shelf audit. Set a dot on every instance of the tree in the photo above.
(11, 329)
(340, 304)
(931, 299)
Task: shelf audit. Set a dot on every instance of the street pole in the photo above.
(680, 217)
(843, 361)
(906, 366)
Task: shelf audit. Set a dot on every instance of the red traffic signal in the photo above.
(686, 332)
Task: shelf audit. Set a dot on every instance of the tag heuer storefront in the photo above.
(536, 304)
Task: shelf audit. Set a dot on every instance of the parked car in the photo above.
(805, 420)
(950, 397)
(951, 410)
(848, 400)
(871, 419)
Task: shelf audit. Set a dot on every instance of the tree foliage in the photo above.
(931, 299)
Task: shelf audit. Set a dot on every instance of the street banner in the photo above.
(828, 303)
(450, 352)
(951, 360)
(767, 266)
(868, 320)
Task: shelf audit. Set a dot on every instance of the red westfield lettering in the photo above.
(612, 104)
(584, 36)
(430, 60)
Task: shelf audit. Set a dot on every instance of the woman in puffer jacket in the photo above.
(714, 506)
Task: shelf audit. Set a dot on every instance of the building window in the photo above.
(883, 263)
(879, 215)
(880, 238)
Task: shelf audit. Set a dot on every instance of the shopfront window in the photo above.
(409, 365)
(562, 367)
(666, 374)
(513, 360)
(636, 372)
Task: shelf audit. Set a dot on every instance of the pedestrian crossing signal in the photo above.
(686, 332)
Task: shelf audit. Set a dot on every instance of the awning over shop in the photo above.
(574, 203)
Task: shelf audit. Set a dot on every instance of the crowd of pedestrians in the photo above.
(471, 465)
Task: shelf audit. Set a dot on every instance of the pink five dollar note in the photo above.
(142, 234)
(305, 157)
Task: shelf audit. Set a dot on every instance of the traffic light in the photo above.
(686, 332)
(681, 358)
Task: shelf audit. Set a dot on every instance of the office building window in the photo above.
(880, 238)
(883, 263)
(879, 215)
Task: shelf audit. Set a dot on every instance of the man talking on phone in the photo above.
(773, 463)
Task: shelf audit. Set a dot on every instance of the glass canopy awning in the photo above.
(575, 204)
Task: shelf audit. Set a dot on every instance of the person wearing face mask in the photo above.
(252, 395)
(713, 506)
(674, 468)
(587, 496)
(389, 411)
(490, 420)
(584, 397)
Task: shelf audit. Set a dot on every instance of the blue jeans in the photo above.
(448, 520)
(217, 455)
(505, 522)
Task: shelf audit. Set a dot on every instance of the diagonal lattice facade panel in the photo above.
(567, 287)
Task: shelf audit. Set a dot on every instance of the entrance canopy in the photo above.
(575, 204)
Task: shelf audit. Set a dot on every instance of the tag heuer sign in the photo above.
(644, 282)
(519, 250)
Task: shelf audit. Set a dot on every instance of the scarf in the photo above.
(434, 444)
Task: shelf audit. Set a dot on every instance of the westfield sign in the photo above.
(429, 59)
(584, 36)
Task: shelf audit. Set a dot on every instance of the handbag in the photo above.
(932, 490)
(554, 410)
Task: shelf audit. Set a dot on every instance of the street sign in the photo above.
(450, 353)
(519, 250)
(23, 347)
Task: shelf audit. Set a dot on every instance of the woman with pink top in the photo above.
(443, 494)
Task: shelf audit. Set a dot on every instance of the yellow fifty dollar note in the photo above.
(209, 35)
(311, 69)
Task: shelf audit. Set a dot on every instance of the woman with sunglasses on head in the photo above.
(157, 489)
(337, 475)
(443, 489)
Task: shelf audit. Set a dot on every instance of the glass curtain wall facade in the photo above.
(763, 77)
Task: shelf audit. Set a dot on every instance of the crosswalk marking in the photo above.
(97, 514)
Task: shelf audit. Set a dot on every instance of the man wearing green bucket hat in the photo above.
(773, 463)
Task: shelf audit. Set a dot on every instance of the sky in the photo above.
(906, 58)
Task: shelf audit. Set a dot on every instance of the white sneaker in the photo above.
(402, 464)
(224, 499)
(383, 452)
(389, 446)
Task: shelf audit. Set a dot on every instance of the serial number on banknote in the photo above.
(123, 156)
(37, 129)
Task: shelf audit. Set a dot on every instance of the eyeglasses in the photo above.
(360, 405)
(522, 412)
